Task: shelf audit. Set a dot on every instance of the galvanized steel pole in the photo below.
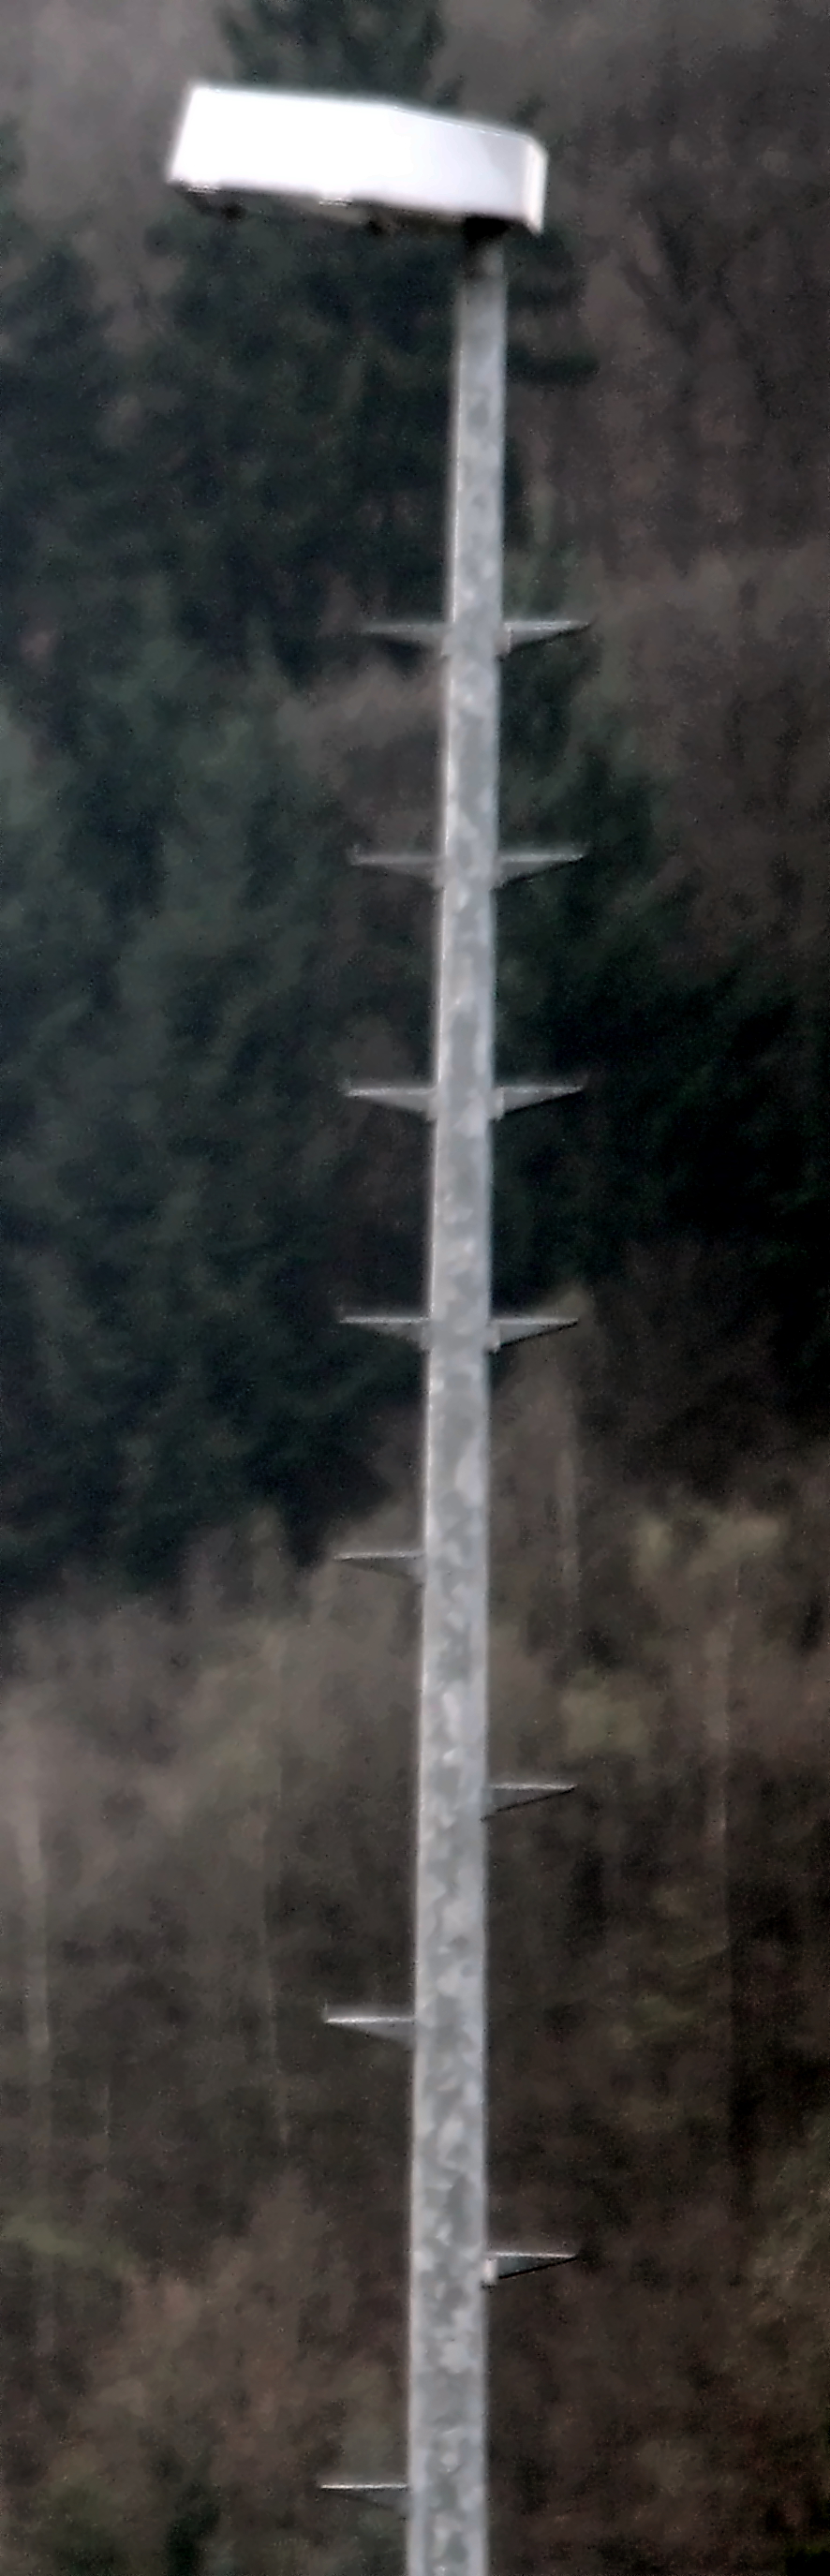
(452, 2265)
(447, 2482)
(370, 154)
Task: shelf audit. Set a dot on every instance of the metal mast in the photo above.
(451, 2262)
(448, 2240)
(334, 155)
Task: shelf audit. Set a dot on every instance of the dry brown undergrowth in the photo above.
(205, 1825)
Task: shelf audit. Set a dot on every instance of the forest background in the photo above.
(218, 448)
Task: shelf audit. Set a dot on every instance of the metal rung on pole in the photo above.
(524, 1328)
(510, 1096)
(508, 869)
(398, 1328)
(399, 2027)
(503, 1795)
(431, 634)
(533, 863)
(386, 1560)
(391, 2493)
(495, 1336)
(406, 863)
(505, 2267)
(519, 632)
(421, 1097)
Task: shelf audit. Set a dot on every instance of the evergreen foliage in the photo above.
(183, 977)
(61, 503)
(179, 1194)
(52, 950)
(178, 966)
(280, 342)
(705, 1113)
(369, 47)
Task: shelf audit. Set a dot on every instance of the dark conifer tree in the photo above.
(294, 402)
(705, 1116)
(64, 533)
(53, 950)
(178, 998)
(365, 46)
(181, 1198)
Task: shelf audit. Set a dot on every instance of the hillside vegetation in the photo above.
(207, 1836)
(692, 158)
(218, 447)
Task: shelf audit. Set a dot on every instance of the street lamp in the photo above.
(370, 162)
(355, 158)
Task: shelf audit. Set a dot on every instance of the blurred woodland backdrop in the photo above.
(219, 446)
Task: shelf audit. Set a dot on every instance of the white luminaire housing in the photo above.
(356, 159)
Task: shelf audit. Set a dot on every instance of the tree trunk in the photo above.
(567, 1511)
(27, 1829)
(720, 1668)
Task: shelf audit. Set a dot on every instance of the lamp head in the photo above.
(356, 160)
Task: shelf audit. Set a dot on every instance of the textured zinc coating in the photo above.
(261, 143)
(447, 2465)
